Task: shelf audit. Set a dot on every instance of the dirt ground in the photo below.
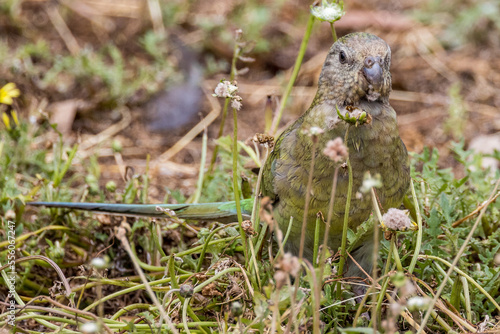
(423, 73)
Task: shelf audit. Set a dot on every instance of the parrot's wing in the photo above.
(221, 211)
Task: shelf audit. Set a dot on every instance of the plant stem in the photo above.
(321, 261)
(334, 33)
(184, 315)
(221, 131)
(256, 204)
(201, 174)
(468, 310)
(205, 246)
(385, 283)
(283, 243)
(397, 259)
(121, 235)
(232, 75)
(308, 198)
(304, 222)
(343, 247)
(375, 260)
(236, 187)
(295, 72)
(418, 244)
(316, 240)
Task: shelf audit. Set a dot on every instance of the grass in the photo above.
(143, 276)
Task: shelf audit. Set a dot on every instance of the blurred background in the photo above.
(139, 75)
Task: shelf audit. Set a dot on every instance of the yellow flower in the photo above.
(14, 117)
(6, 121)
(7, 92)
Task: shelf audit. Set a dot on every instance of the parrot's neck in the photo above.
(324, 115)
(382, 126)
(356, 95)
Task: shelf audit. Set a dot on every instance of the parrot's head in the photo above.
(357, 68)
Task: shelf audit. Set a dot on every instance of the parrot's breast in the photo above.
(375, 147)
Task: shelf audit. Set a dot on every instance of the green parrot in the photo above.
(355, 75)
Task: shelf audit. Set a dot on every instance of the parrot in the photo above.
(355, 75)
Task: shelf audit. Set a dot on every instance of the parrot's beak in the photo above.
(373, 72)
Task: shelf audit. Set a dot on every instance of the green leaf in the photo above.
(434, 223)
(455, 293)
(446, 207)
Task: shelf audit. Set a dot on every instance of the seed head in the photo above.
(336, 150)
(289, 264)
(236, 103)
(264, 139)
(280, 277)
(397, 220)
(186, 290)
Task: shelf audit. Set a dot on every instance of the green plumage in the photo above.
(223, 211)
(375, 147)
(355, 74)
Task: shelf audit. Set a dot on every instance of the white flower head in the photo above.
(313, 131)
(89, 328)
(99, 263)
(418, 303)
(336, 150)
(225, 89)
(236, 103)
(370, 182)
(329, 12)
(397, 220)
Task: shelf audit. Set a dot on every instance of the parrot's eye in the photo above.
(342, 57)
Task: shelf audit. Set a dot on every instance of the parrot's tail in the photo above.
(220, 211)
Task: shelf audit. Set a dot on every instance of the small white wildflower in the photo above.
(236, 308)
(314, 131)
(418, 303)
(225, 89)
(370, 182)
(497, 259)
(236, 104)
(99, 263)
(335, 149)
(89, 328)
(397, 220)
(329, 12)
